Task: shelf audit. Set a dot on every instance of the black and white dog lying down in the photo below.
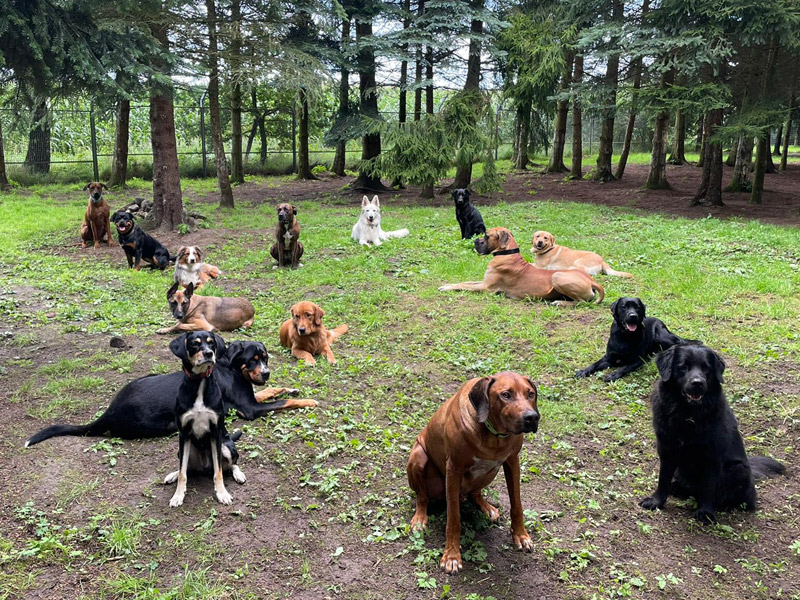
(468, 217)
(200, 416)
(633, 340)
(700, 449)
(145, 408)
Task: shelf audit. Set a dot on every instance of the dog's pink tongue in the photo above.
(631, 326)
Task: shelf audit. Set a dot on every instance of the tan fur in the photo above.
(316, 340)
(550, 256)
(512, 275)
(209, 313)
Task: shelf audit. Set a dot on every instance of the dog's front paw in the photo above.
(293, 392)
(238, 475)
(83, 244)
(705, 516)
(171, 478)
(419, 522)
(224, 497)
(451, 561)
(164, 330)
(523, 541)
(651, 503)
(176, 500)
(444, 288)
(582, 373)
(611, 377)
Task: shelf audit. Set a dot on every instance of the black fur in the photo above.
(700, 449)
(628, 350)
(139, 245)
(468, 217)
(145, 408)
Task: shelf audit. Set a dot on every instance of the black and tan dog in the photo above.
(633, 340)
(138, 245)
(512, 275)
(200, 414)
(206, 313)
(96, 221)
(287, 249)
(462, 448)
(145, 407)
(700, 449)
(468, 217)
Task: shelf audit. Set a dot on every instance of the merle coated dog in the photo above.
(145, 408)
(633, 340)
(468, 217)
(700, 449)
(139, 245)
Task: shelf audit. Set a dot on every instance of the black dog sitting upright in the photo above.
(200, 414)
(698, 439)
(139, 245)
(468, 217)
(633, 340)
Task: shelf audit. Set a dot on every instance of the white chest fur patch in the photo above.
(481, 467)
(200, 416)
(287, 238)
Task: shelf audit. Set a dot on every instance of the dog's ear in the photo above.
(479, 396)
(376, 202)
(181, 251)
(104, 186)
(614, 307)
(189, 290)
(642, 306)
(364, 201)
(221, 348)
(533, 385)
(664, 362)
(234, 352)
(291, 309)
(171, 291)
(86, 187)
(552, 238)
(178, 346)
(199, 254)
(318, 314)
(467, 194)
(294, 209)
(718, 365)
(454, 193)
(503, 237)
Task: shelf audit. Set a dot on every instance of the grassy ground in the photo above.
(325, 510)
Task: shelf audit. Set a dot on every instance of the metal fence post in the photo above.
(94, 142)
(294, 136)
(203, 131)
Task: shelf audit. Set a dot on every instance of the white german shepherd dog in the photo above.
(367, 229)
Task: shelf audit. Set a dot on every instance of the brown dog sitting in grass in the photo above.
(206, 313)
(462, 448)
(305, 334)
(96, 220)
(287, 249)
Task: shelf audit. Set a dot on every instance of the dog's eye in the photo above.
(531, 394)
(506, 395)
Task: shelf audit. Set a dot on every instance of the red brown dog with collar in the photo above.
(96, 221)
(462, 448)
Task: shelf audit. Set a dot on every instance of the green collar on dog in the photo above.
(494, 431)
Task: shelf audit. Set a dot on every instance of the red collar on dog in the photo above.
(503, 252)
(191, 375)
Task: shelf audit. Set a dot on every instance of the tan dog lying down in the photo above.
(550, 256)
(512, 275)
(206, 313)
(305, 334)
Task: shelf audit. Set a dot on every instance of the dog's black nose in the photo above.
(530, 420)
(697, 383)
(302, 330)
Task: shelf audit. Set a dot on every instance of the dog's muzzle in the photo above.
(530, 422)
(695, 389)
(481, 246)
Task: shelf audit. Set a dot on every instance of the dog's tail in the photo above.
(340, 330)
(95, 428)
(399, 233)
(599, 292)
(609, 271)
(764, 467)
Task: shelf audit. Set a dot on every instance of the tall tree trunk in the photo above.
(787, 133)
(769, 164)
(429, 79)
(404, 64)
(368, 106)
(4, 184)
(521, 139)
(710, 190)
(471, 85)
(304, 163)
(778, 141)
(237, 162)
(698, 142)
(762, 151)
(167, 200)
(603, 171)
(576, 172)
(418, 84)
(223, 177)
(340, 159)
(678, 154)
(556, 163)
(741, 170)
(657, 176)
(37, 158)
(626, 145)
(119, 162)
(731, 160)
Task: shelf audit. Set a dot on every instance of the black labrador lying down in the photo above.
(634, 339)
(145, 408)
(700, 449)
